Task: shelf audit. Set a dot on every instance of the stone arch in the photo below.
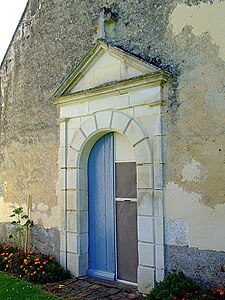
(109, 121)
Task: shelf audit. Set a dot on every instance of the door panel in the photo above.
(126, 180)
(101, 209)
(126, 220)
(127, 250)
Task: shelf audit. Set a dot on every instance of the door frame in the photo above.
(74, 237)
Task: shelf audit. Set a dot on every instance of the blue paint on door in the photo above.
(101, 209)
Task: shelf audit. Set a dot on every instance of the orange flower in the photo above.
(34, 272)
(25, 261)
(221, 293)
(43, 273)
(37, 259)
(7, 266)
(50, 257)
(44, 262)
(37, 263)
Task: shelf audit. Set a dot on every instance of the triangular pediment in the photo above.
(104, 64)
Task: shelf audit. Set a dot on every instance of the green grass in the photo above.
(16, 289)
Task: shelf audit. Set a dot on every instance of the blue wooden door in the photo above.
(101, 209)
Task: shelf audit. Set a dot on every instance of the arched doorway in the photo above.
(97, 99)
(112, 209)
(74, 245)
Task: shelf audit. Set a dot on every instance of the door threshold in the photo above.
(127, 282)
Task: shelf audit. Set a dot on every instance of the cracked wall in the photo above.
(183, 37)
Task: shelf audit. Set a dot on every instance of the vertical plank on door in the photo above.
(101, 209)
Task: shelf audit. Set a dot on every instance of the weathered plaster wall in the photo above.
(199, 121)
(201, 226)
(202, 18)
(184, 37)
(195, 144)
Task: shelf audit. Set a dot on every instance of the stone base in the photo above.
(44, 240)
(202, 266)
(5, 230)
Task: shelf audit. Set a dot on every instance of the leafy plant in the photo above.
(174, 285)
(22, 225)
(177, 286)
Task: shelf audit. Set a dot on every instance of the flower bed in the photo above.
(35, 267)
(176, 286)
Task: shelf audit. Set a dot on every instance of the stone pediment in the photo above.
(104, 64)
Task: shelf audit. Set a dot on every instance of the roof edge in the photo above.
(14, 34)
(70, 78)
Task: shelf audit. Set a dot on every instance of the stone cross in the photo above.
(106, 24)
